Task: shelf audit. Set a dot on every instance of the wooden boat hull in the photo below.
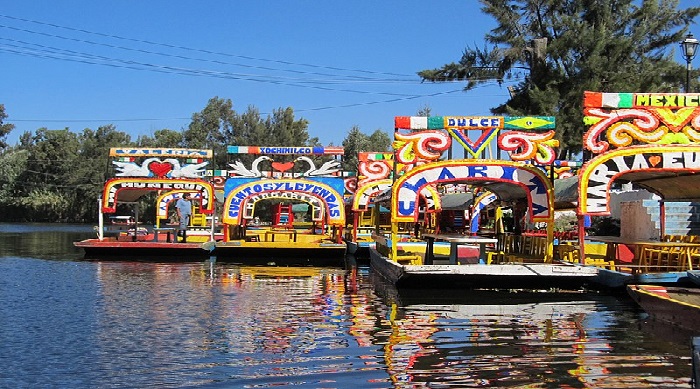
(476, 276)
(281, 253)
(110, 249)
(247, 253)
(612, 279)
(679, 306)
(694, 276)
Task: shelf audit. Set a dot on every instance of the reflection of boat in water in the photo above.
(533, 310)
(276, 271)
(674, 305)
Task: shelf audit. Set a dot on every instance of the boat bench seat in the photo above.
(524, 258)
(168, 231)
(599, 262)
(409, 259)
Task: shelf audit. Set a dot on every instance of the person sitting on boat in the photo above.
(184, 212)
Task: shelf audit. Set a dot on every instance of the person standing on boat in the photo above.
(184, 212)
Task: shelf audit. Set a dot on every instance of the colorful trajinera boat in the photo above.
(370, 214)
(147, 176)
(652, 141)
(278, 180)
(678, 306)
(521, 183)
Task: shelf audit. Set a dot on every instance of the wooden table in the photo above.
(684, 248)
(272, 234)
(455, 241)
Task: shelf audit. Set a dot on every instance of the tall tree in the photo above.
(356, 141)
(12, 164)
(560, 48)
(46, 193)
(93, 167)
(212, 128)
(5, 128)
(162, 138)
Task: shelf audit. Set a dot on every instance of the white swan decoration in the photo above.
(193, 170)
(132, 169)
(328, 168)
(254, 171)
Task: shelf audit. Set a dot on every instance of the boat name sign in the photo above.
(118, 185)
(318, 190)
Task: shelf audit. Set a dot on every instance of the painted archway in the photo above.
(535, 184)
(133, 188)
(238, 196)
(164, 200)
(317, 205)
(480, 203)
(598, 174)
(365, 193)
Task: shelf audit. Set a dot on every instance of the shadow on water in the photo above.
(45, 241)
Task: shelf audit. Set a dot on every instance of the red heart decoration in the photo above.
(282, 166)
(160, 169)
(654, 160)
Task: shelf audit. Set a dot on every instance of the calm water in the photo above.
(68, 323)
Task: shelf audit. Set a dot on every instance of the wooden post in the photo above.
(355, 217)
(549, 251)
(662, 219)
(581, 239)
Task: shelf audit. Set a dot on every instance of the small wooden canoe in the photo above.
(679, 306)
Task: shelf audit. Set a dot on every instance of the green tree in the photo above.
(162, 138)
(286, 130)
(46, 191)
(5, 128)
(560, 48)
(212, 129)
(12, 164)
(356, 141)
(93, 168)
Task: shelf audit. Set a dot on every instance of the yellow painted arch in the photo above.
(136, 187)
(236, 199)
(598, 174)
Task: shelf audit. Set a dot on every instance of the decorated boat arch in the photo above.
(420, 142)
(649, 139)
(374, 181)
(165, 171)
(164, 174)
(323, 195)
(283, 177)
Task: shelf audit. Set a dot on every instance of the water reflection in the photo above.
(243, 325)
(501, 339)
(204, 324)
(38, 240)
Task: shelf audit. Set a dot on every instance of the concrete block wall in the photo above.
(641, 219)
(636, 222)
(682, 217)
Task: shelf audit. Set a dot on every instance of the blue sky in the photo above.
(149, 65)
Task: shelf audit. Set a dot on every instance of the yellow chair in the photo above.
(569, 253)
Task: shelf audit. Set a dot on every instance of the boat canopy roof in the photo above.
(566, 193)
(457, 201)
(670, 185)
